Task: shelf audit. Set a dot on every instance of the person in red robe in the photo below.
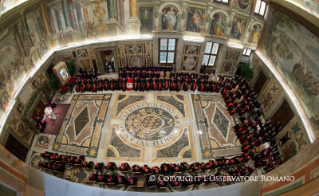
(201, 87)
(106, 84)
(166, 86)
(78, 86)
(148, 86)
(94, 86)
(194, 85)
(179, 86)
(160, 85)
(135, 86)
(154, 86)
(83, 87)
(123, 86)
(185, 86)
(100, 85)
(88, 85)
(112, 85)
(172, 87)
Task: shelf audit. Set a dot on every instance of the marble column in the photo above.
(111, 9)
(79, 15)
(26, 30)
(133, 22)
(72, 14)
(66, 14)
(50, 20)
(58, 20)
(45, 18)
(113, 28)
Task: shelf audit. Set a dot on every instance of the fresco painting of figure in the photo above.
(238, 28)
(195, 19)
(296, 60)
(169, 18)
(219, 25)
(255, 34)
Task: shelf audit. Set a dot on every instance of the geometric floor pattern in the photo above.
(150, 127)
(82, 127)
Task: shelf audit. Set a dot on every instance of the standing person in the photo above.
(69, 87)
(107, 67)
(202, 68)
(81, 71)
(94, 73)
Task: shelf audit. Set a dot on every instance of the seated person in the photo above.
(102, 178)
(185, 166)
(112, 179)
(165, 169)
(53, 156)
(58, 168)
(155, 170)
(64, 158)
(71, 159)
(93, 177)
(136, 169)
(188, 182)
(132, 181)
(110, 166)
(52, 103)
(198, 180)
(149, 183)
(45, 155)
(87, 165)
(161, 184)
(176, 168)
(99, 166)
(196, 167)
(174, 183)
(124, 167)
(122, 180)
(205, 166)
(146, 170)
(79, 160)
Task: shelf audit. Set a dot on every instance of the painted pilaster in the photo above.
(133, 22)
(45, 18)
(72, 14)
(66, 13)
(58, 19)
(50, 21)
(79, 15)
(26, 30)
(111, 9)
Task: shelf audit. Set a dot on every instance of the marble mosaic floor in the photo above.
(148, 128)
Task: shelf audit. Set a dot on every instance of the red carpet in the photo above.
(53, 126)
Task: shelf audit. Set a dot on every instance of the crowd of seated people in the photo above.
(252, 134)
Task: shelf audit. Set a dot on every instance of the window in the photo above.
(222, 1)
(210, 54)
(167, 51)
(260, 8)
(247, 52)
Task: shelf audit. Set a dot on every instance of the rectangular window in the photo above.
(222, 1)
(260, 8)
(167, 51)
(211, 52)
(247, 52)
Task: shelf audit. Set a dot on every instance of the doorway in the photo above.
(260, 82)
(16, 148)
(108, 56)
(284, 114)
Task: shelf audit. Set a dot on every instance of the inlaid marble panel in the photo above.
(43, 141)
(215, 127)
(149, 127)
(82, 127)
